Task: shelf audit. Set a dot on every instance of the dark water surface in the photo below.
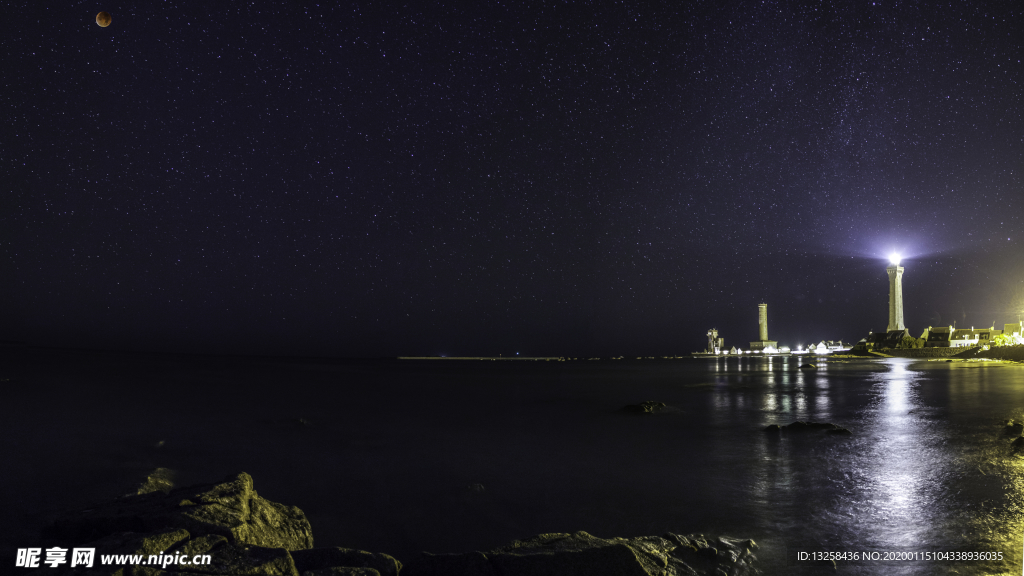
(388, 453)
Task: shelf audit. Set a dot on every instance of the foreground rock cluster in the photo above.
(242, 532)
(581, 554)
(245, 534)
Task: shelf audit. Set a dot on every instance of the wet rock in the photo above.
(808, 366)
(467, 564)
(324, 558)
(710, 555)
(802, 427)
(141, 544)
(227, 522)
(649, 407)
(231, 509)
(202, 545)
(336, 571)
(160, 553)
(123, 543)
(582, 554)
(239, 559)
(159, 480)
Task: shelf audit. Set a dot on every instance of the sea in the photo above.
(405, 456)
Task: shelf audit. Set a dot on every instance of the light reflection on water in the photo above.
(385, 465)
(924, 468)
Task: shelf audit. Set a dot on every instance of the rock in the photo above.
(1013, 427)
(582, 554)
(203, 544)
(649, 407)
(1018, 443)
(231, 509)
(338, 571)
(800, 426)
(123, 543)
(808, 367)
(159, 554)
(322, 558)
(140, 544)
(467, 564)
(237, 559)
(240, 532)
(160, 480)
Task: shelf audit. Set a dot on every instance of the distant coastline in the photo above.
(534, 358)
(544, 358)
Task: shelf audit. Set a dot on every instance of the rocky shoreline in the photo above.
(166, 527)
(1007, 353)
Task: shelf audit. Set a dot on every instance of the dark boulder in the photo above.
(339, 571)
(808, 366)
(322, 558)
(235, 559)
(582, 554)
(227, 522)
(649, 407)
(159, 480)
(800, 426)
(1013, 427)
(1018, 444)
(803, 427)
(231, 509)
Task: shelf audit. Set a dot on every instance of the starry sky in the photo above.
(542, 178)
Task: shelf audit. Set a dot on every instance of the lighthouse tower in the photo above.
(895, 272)
(762, 322)
(763, 344)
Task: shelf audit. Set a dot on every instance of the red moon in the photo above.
(103, 19)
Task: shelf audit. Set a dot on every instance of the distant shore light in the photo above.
(894, 258)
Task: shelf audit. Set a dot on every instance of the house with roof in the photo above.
(881, 340)
(937, 336)
(965, 338)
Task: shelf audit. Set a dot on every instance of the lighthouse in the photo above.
(763, 344)
(762, 322)
(895, 272)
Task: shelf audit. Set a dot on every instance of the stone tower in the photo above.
(763, 344)
(762, 322)
(895, 272)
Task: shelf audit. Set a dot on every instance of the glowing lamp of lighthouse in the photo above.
(895, 272)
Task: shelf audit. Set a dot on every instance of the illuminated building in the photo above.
(895, 272)
(715, 344)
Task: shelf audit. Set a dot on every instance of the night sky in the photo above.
(363, 179)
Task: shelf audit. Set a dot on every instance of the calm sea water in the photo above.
(449, 456)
